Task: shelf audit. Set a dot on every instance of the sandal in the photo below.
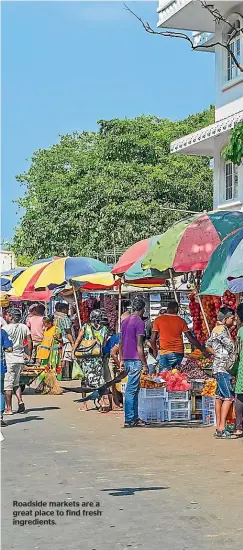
(128, 425)
(140, 423)
(222, 434)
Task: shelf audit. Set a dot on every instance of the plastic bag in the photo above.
(77, 373)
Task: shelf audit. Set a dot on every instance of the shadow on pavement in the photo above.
(129, 491)
(32, 409)
(180, 424)
(23, 419)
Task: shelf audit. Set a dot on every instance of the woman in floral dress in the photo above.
(92, 364)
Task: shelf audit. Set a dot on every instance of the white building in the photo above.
(189, 15)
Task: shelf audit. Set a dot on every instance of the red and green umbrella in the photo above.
(225, 268)
(189, 244)
(129, 264)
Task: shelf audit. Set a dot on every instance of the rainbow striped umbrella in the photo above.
(50, 274)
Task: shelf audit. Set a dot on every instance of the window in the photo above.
(236, 47)
(231, 181)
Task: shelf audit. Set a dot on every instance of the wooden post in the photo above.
(119, 304)
(203, 313)
(173, 284)
(77, 308)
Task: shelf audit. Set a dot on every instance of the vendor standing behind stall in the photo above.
(170, 328)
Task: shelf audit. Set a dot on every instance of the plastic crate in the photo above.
(152, 392)
(177, 415)
(151, 410)
(177, 405)
(177, 395)
(208, 417)
(208, 403)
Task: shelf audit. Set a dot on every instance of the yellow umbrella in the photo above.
(101, 279)
(27, 279)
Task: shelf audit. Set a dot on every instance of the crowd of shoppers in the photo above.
(104, 356)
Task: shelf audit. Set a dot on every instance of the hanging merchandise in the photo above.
(110, 303)
(84, 311)
(211, 306)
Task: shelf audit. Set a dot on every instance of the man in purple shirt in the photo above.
(132, 359)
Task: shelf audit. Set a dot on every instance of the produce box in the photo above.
(152, 393)
(177, 415)
(177, 405)
(177, 395)
(151, 410)
(208, 410)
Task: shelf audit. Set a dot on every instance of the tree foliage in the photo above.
(115, 186)
(234, 150)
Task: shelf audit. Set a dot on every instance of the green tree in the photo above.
(117, 185)
(234, 150)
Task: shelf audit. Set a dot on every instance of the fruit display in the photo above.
(228, 299)
(211, 306)
(209, 387)
(147, 381)
(175, 380)
(192, 369)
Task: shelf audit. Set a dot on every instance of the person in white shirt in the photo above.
(18, 333)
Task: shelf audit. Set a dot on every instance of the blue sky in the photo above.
(66, 65)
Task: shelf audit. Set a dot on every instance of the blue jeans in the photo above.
(2, 395)
(170, 361)
(224, 390)
(133, 368)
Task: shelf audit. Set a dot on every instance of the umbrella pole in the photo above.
(173, 285)
(119, 305)
(201, 305)
(77, 308)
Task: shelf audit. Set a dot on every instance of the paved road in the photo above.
(159, 487)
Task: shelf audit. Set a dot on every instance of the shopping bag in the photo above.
(77, 373)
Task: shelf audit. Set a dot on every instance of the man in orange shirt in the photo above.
(170, 328)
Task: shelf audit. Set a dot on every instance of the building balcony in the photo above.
(202, 142)
(190, 15)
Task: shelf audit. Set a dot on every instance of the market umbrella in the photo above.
(95, 281)
(26, 281)
(8, 276)
(189, 244)
(226, 262)
(129, 264)
(62, 270)
(132, 254)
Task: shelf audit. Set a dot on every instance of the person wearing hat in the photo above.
(18, 333)
(223, 348)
